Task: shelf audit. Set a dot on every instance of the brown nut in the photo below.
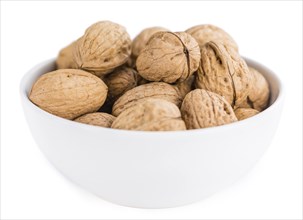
(140, 41)
(97, 118)
(131, 62)
(205, 33)
(120, 81)
(104, 46)
(202, 109)
(157, 90)
(243, 113)
(65, 58)
(186, 86)
(141, 80)
(258, 96)
(224, 72)
(169, 57)
(68, 93)
(151, 115)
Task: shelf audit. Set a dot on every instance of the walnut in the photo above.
(151, 115)
(140, 41)
(131, 62)
(65, 58)
(104, 46)
(224, 72)
(169, 57)
(141, 80)
(243, 113)
(100, 77)
(120, 81)
(68, 93)
(258, 96)
(205, 33)
(186, 86)
(202, 109)
(97, 118)
(157, 90)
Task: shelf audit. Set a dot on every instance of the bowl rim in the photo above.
(24, 83)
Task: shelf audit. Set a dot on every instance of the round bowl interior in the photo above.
(152, 169)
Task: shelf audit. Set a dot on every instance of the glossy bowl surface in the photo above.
(152, 169)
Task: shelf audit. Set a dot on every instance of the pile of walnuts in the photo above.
(160, 81)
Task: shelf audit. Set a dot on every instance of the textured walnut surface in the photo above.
(205, 33)
(258, 96)
(104, 46)
(202, 109)
(140, 41)
(104, 75)
(224, 72)
(151, 115)
(69, 93)
(186, 86)
(65, 58)
(120, 81)
(169, 57)
(97, 118)
(157, 90)
(243, 113)
(141, 80)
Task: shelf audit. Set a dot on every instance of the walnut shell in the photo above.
(68, 93)
(186, 86)
(157, 90)
(224, 72)
(141, 80)
(97, 118)
(243, 113)
(131, 62)
(104, 46)
(202, 109)
(206, 32)
(169, 57)
(151, 115)
(258, 96)
(140, 41)
(120, 81)
(65, 58)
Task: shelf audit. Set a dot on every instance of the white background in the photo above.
(269, 32)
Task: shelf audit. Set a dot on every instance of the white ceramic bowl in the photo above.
(152, 169)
